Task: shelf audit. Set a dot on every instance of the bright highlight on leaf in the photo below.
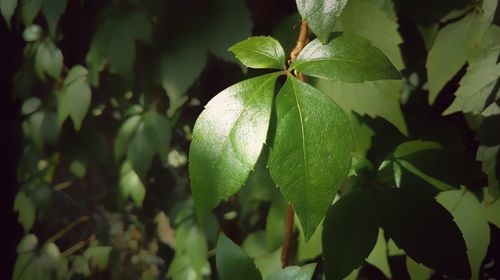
(321, 15)
(311, 153)
(227, 140)
(346, 58)
(260, 52)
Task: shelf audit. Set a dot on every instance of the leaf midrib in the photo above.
(262, 53)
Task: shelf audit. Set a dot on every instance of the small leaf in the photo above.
(227, 140)
(379, 257)
(76, 97)
(440, 185)
(350, 233)
(30, 105)
(130, 184)
(424, 229)
(311, 153)
(7, 8)
(294, 273)
(32, 33)
(260, 52)
(99, 255)
(140, 153)
(410, 147)
(53, 10)
(29, 10)
(488, 157)
(321, 15)
(196, 249)
(26, 209)
(470, 217)
(231, 260)
(417, 271)
(48, 59)
(158, 131)
(125, 135)
(346, 58)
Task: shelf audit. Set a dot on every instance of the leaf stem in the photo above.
(302, 41)
(67, 228)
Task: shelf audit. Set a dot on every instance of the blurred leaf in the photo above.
(231, 260)
(275, 222)
(140, 153)
(268, 263)
(196, 249)
(32, 33)
(347, 58)
(48, 59)
(321, 16)
(260, 52)
(53, 10)
(488, 157)
(410, 147)
(125, 135)
(98, 255)
(310, 249)
(440, 185)
(493, 213)
(424, 229)
(7, 8)
(130, 184)
(350, 233)
(30, 105)
(158, 131)
(43, 263)
(26, 209)
(296, 160)
(227, 140)
(294, 273)
(75, 98)
(29, 10)
(114, 42)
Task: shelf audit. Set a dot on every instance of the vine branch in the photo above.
(302, 41)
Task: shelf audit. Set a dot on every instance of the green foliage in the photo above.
(232, 260)
(147, 184)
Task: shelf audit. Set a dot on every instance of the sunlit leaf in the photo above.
(321, 15)
(260, 52)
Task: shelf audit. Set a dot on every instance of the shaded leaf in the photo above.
(26, 209)
(30, 105)
(53, 10)
(227, 140)
(417, 271)
(48, 59)
(158, 131)
(140, 153)
(7, 8)
(260, 52)
(125, 135)
(75, 98)
(231, 260)
(321, 15)
(379, 257)
(346, 58)
(411, 147)
(311, 153)
(130, 184)
(350, 233)
(29, 10)
(424, 229)
(98, 255)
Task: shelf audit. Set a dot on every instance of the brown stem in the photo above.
(285, 253)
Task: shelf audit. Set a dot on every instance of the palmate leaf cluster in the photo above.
(149, 153)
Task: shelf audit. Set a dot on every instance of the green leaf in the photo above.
(30, 105)
(488, 157)
(114, 42)
(411, 147)
(417, 271)
(454, 43)
(294, 273)
(26, 209)
(158, 131)
(260, 52)
(440, 185)
(493, 213)
(311, 153)
(7, 8)
(477, 85)
(125, 135)
(424, 229)
(321, 15)
(99, 255)
(227, 140)
(76, 97)
(28, 243)
(367, 19)
(231, 260)
(375, 99)
(470, 217)
(32, 33)
(346, 58)
(130, 184)
(196, 249)
(53, 10)
(379, 257)
(29, 10)
(140, 153)
(350, 233)
(43, 263)
(48, 59)
(310, 249)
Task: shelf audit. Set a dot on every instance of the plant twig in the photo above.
(285, 252)
(67, 228)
